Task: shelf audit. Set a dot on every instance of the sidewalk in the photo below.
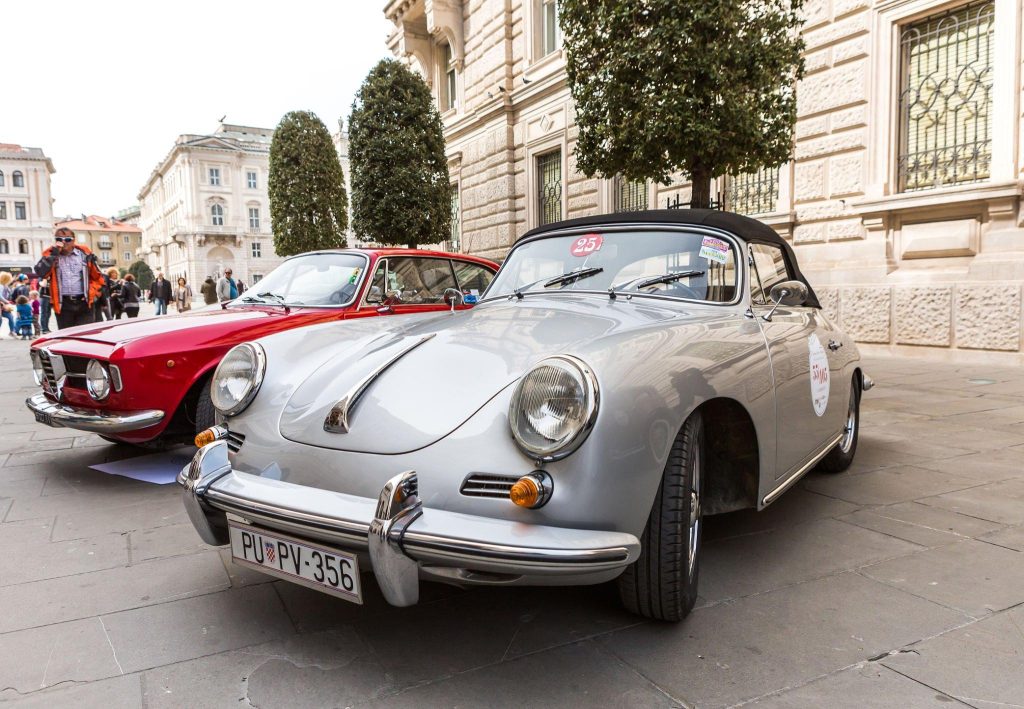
(897, 584)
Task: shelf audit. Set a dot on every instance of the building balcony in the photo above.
(106, 244)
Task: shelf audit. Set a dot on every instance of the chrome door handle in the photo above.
(833, 345)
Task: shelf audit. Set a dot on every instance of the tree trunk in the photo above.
(700, 178)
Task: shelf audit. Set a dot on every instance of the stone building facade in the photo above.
(26, 207)
(114, 242)
(903, 196)
(205, 208)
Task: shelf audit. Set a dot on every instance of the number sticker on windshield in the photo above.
(586, 245)
(714, 249)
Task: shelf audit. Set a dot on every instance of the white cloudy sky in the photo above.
(105, 87)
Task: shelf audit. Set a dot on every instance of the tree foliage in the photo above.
(143, 274)
(308, 204)
(706, 87)
(400, 190)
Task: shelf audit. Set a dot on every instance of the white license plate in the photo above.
(328, 570)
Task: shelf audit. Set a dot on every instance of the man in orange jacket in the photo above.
(74, 276)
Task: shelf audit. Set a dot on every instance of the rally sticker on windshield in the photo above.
(586, 245)
(818, 362)
(714, 249)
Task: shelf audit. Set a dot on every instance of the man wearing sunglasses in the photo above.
(74, 277)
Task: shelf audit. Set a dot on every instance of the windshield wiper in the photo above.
(664, 278)
(573, 276)
(268, 294)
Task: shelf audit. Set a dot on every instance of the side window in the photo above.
(473, 279)
(416, 281)
(768, 268)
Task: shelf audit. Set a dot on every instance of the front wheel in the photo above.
(841, 456)
(662, 582)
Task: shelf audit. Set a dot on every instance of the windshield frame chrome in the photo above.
(333, 306)
(735, 241)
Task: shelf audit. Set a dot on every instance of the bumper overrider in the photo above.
(94, 420)
(401, 536)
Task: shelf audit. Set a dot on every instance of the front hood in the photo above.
(458, 365)
(222, 322)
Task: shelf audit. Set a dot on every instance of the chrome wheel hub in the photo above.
(846, 442)
(695, 517)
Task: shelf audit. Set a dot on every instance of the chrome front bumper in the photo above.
(96, 421)
(400, 534)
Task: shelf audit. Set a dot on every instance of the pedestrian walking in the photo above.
(116, 304)
(46, 307)
(75, 279)
(183, 295)
(209, 291)
(33, 300)
(6, 301)
(160, 293)
(101, 305)
(130, 296)
(24, 317)
(227, 287)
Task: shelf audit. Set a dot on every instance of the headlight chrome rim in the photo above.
(96, 372)
(568, 444)
(259, 358)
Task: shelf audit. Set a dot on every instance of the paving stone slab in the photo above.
(37, 658)
(1009, 537)
(886, 486)
(921, 524)
(135, 517)
(575, 676)
(989, 466)
(80, 506)
(23, 562)
(172, 540)
(981, 664)
(744, 649)
(971, 576)
(116, 693)
(1001, 502)
(742, 566)
(22, 489)
(866, 686)
(148, 637)
(26, 531)
(796, 506)
(84, 595)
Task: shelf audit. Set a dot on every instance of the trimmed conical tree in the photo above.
(143, 274)
(706, 87)
(400, 190)
(308, 205)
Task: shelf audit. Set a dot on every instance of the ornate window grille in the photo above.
(630, 196)
(946, 98)
(456, 227)
(753, 192)
(549, 195)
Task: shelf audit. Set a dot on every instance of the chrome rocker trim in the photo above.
(96, 421)
(399, 533)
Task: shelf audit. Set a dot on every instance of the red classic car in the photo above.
(146, 381)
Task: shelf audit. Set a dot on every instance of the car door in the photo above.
(809, 406)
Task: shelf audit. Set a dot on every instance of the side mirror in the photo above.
(453, 297)
(374, 295)
(791, 293)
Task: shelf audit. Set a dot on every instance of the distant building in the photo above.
(129, 215)
(205, 209)
(26, 207)
(114, 242)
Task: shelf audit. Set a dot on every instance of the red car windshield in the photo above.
(311, 279)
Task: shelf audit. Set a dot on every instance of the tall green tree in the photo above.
(400, 190)
(706, 87)
(143, 274)
(308, 204)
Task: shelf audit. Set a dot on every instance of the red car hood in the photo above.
(222, 322)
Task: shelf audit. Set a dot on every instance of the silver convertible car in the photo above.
(622, 377)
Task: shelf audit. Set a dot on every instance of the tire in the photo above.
(841, 456)
(662, 582)
(206, 415)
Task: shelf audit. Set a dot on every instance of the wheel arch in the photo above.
(732, 467)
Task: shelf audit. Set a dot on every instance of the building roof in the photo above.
(13, 151)
(94, 222)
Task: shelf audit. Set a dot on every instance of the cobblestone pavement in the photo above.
(899, 583)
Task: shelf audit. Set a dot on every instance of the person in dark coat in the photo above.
(160, 293)
(209, 291)
(130, 296)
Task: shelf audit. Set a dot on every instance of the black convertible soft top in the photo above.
(744, 227)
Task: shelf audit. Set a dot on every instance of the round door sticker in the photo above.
(586, 245)
(819, 374)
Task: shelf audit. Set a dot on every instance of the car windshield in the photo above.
(312, 279)
(674, 263)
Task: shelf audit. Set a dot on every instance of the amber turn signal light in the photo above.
(531, 490)
(205, 438)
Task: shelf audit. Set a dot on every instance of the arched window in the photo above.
(4, 248)
(23, 246)
(1, 178)
(217, 214)
(17, 179)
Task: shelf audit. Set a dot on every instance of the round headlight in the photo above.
(97, 380)
(37, 369)
(238, 378)
(553, 408)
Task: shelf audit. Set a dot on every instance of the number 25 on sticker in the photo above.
(586, 245)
